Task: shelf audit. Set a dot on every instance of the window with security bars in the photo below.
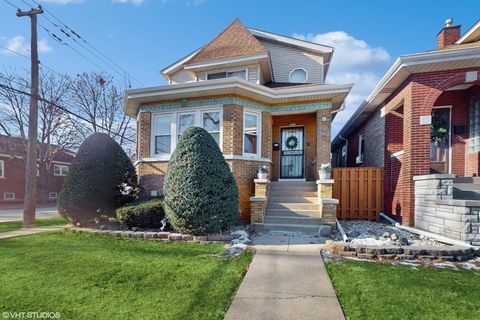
(474, 145)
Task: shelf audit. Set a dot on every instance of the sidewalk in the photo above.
(28, 231)
(286, 280)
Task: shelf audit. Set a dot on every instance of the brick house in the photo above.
(253, 91)
(422, 118)
(12, 172)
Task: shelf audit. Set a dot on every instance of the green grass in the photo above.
(380, 291)
(100, 277)
(46, 222)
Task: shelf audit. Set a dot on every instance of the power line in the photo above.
(75, 34)
(67, 111)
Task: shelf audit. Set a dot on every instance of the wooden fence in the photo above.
(360, 192)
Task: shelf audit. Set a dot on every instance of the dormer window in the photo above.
(228, 74)
(298, 75)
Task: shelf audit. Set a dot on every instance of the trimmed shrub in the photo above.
(144, 213)
(201, 195)
(100, 179)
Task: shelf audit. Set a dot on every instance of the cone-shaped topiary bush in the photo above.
(201, 195)
(100, 179)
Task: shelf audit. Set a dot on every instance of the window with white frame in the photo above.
(52, 195)
(298, 75)
(168, 128)
(2, 169)
(60, 170)
(251, 133)
(361, 144)
(9, 196)
(162, 134)
(228, 74)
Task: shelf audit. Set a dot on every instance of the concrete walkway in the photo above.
(28, 231)
(15, 213)
(286, 280)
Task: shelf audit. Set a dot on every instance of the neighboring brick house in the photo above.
(252, 90)
(12, 172)
(422, 117)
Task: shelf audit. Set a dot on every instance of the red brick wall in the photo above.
(418, 95)
(14, 180)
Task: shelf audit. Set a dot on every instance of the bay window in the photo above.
(251, 140)
(168, 128)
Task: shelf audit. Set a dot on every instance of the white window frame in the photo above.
(173, 127)
(227, 71)
(259, 134)
(2, 165)
(295, 69)
(361, 137)
(61, 166)
(50, 195)
(9, 193)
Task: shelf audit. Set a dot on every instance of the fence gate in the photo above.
(360, 192)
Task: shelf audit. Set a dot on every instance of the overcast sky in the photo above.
(144, 36)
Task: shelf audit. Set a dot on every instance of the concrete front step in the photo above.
(283, 193)
(293, 206)
(292, 199)
(278, 187)
(475, 180)
(307, 221)
(291, 227)
(293, 183)
(293, 213)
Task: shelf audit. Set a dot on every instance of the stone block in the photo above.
(325, 231)
(150, 235)
(174, 236)
(127, 234)
(163, 235)
(138, 235)
(187, 237)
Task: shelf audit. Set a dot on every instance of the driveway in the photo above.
(16, 214)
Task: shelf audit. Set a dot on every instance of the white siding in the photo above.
(181, 76)
(285, 59)
(253, 74)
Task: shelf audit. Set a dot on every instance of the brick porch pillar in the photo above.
(324, 119)
(416, 145)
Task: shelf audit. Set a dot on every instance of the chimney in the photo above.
(449, 34)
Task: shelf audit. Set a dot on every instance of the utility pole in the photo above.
(31, 165)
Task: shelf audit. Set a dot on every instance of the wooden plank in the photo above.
(361, 194)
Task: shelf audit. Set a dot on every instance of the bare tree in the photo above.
(56, 133)
(97, 97)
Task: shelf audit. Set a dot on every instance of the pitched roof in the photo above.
(234, 41)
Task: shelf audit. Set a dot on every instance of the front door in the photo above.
(440, 141)
(292, 153)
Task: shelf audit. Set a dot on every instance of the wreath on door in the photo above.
(438, 129)
(292, 142)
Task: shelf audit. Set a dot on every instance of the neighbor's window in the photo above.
(251, 123)
(228, 74)
(2, 169)
(298, 75)
(361, 144)
(9, 196)
(162, 130)
(52, 195)
(474, 145)
(211, 123)
(60, 170)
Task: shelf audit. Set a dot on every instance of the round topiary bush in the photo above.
(201, 195)
(100, 179)
(144, 214)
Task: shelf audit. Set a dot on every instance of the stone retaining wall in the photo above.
(436, 211)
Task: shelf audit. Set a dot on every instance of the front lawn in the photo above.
(46, 222)
(379, 291)
(101, 277)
